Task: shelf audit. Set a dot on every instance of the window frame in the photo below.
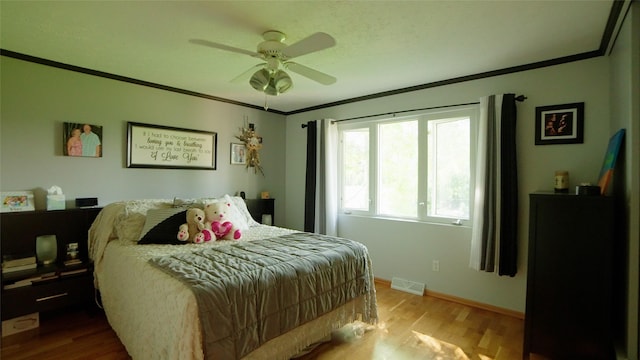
(423, 117)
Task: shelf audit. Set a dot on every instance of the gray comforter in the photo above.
(251, 292)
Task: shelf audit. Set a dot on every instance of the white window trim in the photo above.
(423, 117)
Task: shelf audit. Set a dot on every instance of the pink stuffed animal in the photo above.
(216, 215)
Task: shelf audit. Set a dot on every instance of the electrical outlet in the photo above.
(435, 266)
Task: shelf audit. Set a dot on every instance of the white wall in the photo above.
(406, 249)
(37, 99)
(625, 113)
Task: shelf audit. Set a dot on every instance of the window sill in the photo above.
(405, 220)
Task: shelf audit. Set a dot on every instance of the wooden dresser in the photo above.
(569, 310)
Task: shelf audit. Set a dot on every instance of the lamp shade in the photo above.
(260, 79)
(279, 83)
(271, 83)
(46, 249)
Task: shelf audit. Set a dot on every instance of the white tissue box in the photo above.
(55, 202)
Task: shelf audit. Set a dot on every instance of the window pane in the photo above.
(449, 168)
(355, 154)
(398, 169)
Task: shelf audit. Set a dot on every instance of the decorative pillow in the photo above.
(129, 223)
(161, 226)
(187, 203)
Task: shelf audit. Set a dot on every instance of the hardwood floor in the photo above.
(410, 327)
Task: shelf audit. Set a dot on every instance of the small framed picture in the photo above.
(560, 124)
(73, 255)
(72, 251)
(238, 154)
(17, 201)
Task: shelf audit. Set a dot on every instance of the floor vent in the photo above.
(408, 286)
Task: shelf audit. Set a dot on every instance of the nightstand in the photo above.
(259, 207)
(60, 290)
(70, 286)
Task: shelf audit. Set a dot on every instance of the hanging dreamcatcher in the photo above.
(253, 143)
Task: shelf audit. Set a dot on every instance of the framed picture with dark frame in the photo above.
(560, 124)
(155, 146)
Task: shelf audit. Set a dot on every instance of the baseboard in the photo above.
(459, 300)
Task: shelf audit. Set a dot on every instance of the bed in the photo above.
(270, 295)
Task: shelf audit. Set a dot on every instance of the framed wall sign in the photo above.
(560, 124)
(154, 146)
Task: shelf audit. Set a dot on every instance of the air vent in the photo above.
(408, 286)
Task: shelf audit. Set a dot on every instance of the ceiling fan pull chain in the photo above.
(266, 106)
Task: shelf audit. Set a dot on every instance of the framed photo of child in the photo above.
(82, 139)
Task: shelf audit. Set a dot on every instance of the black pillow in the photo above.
(165, 232)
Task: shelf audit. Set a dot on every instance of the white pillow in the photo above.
(241, 205)
(188, 203)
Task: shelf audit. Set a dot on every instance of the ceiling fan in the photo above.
(269, 76)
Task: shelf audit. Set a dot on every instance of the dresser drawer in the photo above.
(62, 292)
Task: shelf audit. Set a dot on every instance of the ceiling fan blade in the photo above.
(224, 47)
(245, 75)
(310, 73)
(316, 42)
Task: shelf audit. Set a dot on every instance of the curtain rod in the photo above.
(518, 98)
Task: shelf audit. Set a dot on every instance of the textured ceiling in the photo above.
(381, 45)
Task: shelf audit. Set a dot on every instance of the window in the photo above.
(398, 168)
(416, 167)
(449, 168)
(355, 169)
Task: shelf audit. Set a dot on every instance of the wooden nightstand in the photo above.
(18, 231)
(48, 294)
(259, 207)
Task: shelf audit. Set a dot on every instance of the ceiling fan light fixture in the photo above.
(271, 83)
(260, 79)
(279, 83)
